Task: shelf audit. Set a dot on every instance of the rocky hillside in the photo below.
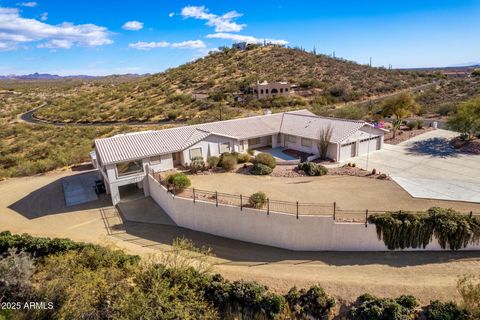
(214, 85)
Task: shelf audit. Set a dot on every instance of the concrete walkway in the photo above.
(426, 166)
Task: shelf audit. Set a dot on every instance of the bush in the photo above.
(243, 158)
(260, 169)
(179, 181)
(411, 125)
(312, 169)
(314, 303)
(257, 200)
(197, 165)
(213, 161)
(266, 159)
(251, 152)
(228, 162)
(469, 288)
(369, 307)
(438, 310)
(420, 124)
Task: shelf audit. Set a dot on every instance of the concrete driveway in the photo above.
(426, 166)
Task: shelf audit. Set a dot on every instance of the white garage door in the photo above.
(368, 145)
(347, 151)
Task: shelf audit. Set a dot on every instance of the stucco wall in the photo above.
(311, 233)
(210, 147)
(331, 152)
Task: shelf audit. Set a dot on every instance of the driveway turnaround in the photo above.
(427, 166)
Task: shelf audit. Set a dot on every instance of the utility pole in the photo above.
(370, 61)
(333, 54)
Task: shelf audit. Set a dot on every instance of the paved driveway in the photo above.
(426, 166)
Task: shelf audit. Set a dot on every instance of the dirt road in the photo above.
(35, 205)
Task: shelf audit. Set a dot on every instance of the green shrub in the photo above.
(314, 303)
(452, 229)
(411, 125)
(369, 307)
(438, 310)
(312, 169)
(228, 162)
(260, 169)
(179, 181)
(266, 159)
(243, 158)
(251, 151)
(213, 161)
(420, 124)
(257, 200)
(197, 165)
(469, 288)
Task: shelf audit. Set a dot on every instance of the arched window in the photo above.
(274, 91)
(281, 90)
(261, 91)
(266, 91)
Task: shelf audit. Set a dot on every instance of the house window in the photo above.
(155, 160)
(281, 90)
(261, 91)
(241, 146)
(292, 139)
(196, 152)
(306, 143)
(286, 89)
(130, 167)
(224, 147)
(174, 156)
(279, 138)
(266, 91)
(254, 141)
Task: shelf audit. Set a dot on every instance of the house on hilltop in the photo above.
(270, 89)
(123, 160)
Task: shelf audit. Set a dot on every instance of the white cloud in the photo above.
(44, 16)
(30, 4)
(191, 44)
(222, 23)
(5, 46)
(133, 25)
(15, 29)
(171, 14)
(242, 38)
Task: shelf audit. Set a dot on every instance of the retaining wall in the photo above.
(308, 233)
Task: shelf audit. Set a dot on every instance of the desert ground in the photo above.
(35, 205)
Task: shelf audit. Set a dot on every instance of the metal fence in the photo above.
(287, 207)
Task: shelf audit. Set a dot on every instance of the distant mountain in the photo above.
(48, 76)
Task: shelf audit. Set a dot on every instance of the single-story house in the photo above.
(124, 159)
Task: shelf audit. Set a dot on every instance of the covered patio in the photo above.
(285, 155)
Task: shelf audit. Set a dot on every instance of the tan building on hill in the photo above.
(265, 89)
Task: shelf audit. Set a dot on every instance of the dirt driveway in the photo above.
(36, 205)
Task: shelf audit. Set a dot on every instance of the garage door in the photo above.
(347, 151)
(368, 145)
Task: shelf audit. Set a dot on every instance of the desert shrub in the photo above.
(411, 125)
(369, 307)
(228, 162)
(260, 169)
(313, 303)
(197, 165)
(312, 169)
(266, 159)
(447, 109)
(251, 151)
(179, 181)
(438, 310)
(243, 158)
(213, 161)
(469, 288)
(452, 229)
(16, 268)
(420, 124)
(257, 200)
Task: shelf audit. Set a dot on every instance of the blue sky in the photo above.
(105, 37)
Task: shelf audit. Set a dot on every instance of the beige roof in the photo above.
(145, 144)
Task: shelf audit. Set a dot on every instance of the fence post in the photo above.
(216, 198)
(193, 195)
(268, 206)
(334, 210)
(297, 209)
(241, 203)
(366, 218)
(471, 214)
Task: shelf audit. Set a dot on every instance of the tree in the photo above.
(324, 140)
(400, 106)
(466, 119)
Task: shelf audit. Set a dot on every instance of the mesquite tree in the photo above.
(400, 106)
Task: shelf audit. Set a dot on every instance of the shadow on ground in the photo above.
(49, 200)
(434, 147)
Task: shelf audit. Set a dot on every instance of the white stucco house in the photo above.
(124, 159)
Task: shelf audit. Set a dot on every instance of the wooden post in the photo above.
(471, 214)
(297, 209)
(193, 189)
(334, 210)
(268, 206)
(366, 218)
(241, 203)
(216, 198)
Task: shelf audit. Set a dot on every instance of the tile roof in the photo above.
(145, 144)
